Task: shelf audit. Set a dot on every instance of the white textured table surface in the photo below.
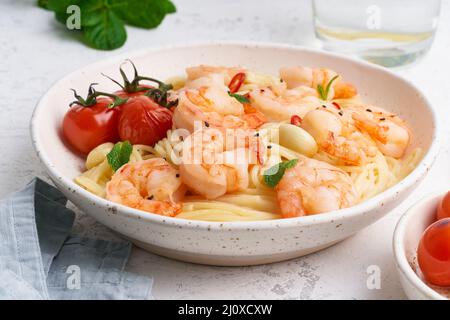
(35, 51)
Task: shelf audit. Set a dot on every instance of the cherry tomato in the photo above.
(143, 121)
(236, 82)
(433, 253)
(85, 127)
(443, 210)
(125, 94)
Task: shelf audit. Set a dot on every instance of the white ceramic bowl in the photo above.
(407, 236)
(235, 243)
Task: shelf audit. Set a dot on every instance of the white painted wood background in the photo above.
(35, 51)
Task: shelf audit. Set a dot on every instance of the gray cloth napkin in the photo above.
(41, 259)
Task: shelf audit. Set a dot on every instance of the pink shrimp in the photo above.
(313, 186)
(151, 185)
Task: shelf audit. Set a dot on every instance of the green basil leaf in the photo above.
(170, 7)
(92, 12)
(61, 17)
(119, 155)
(239, 97)
(274, 174)
(60, 6)
(109, 33)
(43, 4)
(146, 14)
(103, 21)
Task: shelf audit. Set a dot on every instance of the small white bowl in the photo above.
(233, 243)
(407, 236)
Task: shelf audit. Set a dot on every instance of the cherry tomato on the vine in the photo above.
(143, 121)
(91, 121)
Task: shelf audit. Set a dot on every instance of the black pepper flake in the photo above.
(382, 119)
(181, 138)
(207, 124)
(262, 90)
(177, 175)
(341, 113)
(257, 134)
(150, 197)
(368, 110)
(324, 106)
(269, 147)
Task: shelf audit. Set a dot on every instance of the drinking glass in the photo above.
(387, 32)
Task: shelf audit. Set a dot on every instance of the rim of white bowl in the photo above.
(398, 246)
(330, 217)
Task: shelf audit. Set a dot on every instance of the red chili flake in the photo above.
(296, 120)
(236, 82)
(337, 105)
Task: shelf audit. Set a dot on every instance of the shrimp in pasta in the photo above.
(337, 137)
(313, 77)
(282, 106)
(390, 133)
(207, 101)
(313, 186)
(212, 166)
(149, 185)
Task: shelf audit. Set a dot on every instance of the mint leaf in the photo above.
(274, 174)
(119, 155)
(109, 33)
(239, 97)
(143, 13)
